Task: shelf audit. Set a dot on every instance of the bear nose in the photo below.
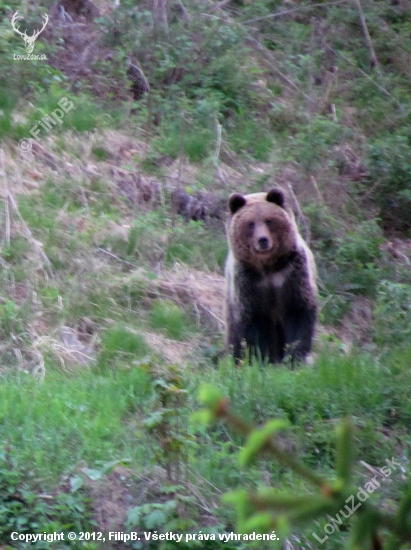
(263, 243)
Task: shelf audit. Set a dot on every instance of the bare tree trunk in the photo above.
(160, 14)
(373, 57)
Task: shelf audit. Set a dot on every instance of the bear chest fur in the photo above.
(272, 289)
(261, 291)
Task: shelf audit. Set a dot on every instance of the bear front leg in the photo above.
(299, 327)
(235, 335)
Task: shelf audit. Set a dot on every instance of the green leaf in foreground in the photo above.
(259, 438)
(345, 450)
(212, 397)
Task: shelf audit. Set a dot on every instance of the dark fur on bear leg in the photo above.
(299, 332)
(265, 340)
(258, 338)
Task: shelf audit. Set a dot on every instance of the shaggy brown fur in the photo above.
(271, 298)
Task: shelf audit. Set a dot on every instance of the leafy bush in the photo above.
(10, 318)
(358, 254)
(393, 314)
(314, 141)
(389, 163)
(23, 508)
(251, 137)
(193, 138)
(349, 262)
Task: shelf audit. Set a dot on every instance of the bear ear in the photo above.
(235, 202)
(276, 196)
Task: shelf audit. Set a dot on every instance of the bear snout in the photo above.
(263, 243)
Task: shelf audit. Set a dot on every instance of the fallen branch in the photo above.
(7, 231)
(10, 201)
(287, 12)
(381, 88)
(260, 47)
(117, 258)
(220, 5)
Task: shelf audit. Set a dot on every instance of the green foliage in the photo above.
(119, 341)
(21, 79)
(264, 510)
(154, 238)
(53, 425)
(338, 385)
(258, 439)
(24, 508)
(170, 319)
(313, 142)
(284, 87)
(152, 516)
(18, 247)
(193, 138)
(85, 115)
(8, 101)
(101, 152)
(166, 423)
(357, 255)
(195, 78)
(146, 239)
(183, 246)
(389, 163)
(350, 261)
(250, 137)
(393, 315)
(10, 318)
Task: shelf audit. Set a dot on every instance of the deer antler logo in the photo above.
(28, 40)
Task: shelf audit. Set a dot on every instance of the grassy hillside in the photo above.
(113, 247)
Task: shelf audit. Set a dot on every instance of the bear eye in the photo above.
(251, 225)
(269, 223)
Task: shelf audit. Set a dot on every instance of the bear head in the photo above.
(262, 233)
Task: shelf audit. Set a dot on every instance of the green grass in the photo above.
(251, 138)
(153, 238)
(323, 131)
(316, 398)
(119, 341)
(183, 246)
(53, 425)
(337, 385)
(167, 317)
(90, 417)
(193, 139)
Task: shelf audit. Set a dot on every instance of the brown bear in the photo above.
(271, 293)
